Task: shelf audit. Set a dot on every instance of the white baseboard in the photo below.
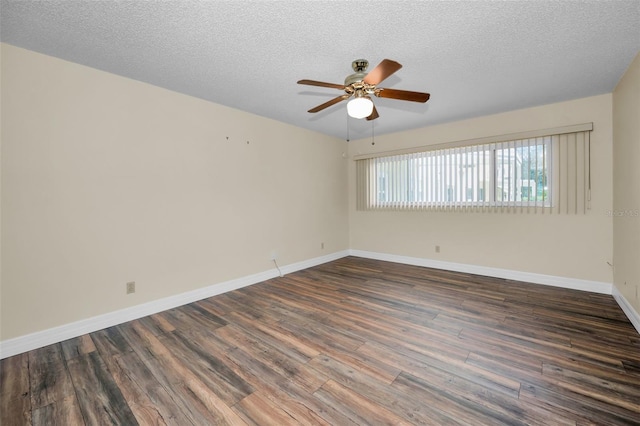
(530, 277)
(631, 313)
(68, 331)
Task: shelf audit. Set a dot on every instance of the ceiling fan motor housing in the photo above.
(360, 67)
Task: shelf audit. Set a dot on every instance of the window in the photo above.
(538, 172)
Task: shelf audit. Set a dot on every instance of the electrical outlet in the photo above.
(131, 287)
(321, 246)
(274, 255)
(437, 249)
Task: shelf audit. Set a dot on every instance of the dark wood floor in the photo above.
(353, 341)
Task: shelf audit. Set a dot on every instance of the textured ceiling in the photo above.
(475, 58)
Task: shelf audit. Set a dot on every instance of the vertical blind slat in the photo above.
(579, 171)
(587, 137)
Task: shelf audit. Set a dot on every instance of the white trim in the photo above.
(631, 313)
(530, 277)
(58, 334)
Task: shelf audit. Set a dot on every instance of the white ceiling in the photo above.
(475, 58)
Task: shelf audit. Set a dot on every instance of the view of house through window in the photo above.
(522, 172)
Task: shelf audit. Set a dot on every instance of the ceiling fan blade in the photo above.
(382, 71)
(374, 114)
(329, 103)
(321, 84)
(403, 95)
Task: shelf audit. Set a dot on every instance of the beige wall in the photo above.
(626, 184)
(107, 180)
(572, 246)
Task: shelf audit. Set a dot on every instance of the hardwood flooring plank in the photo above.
(592, 374)
(309, 303)
(224, 415)
(406, 405)
(63, 412)
(523, 324)
(203, 316)
(567, 404)
(457, 389)
(77, 346)
(188, 318)
(259, 410)
(149, 401)
(323, 337)
(273, 358)
(15, 390)
(549, 351)
(411, 331)
(580, 322)
(153, 326)
(584, 394)
(301, 406)
(221, 304)
(277, 336)
(153, 370)
(323, 295)
(99, 398)
(147, 398)
(414, 318)
(110, 342)
(368, 365)
(600, 346)
(208, 368)
(209, 305)
(504, 365)
(458, 409)
(201, 403)
(162, 322)
(468, 400)
(49, 377)
(632, 367)
(364, 410)
(276, 311)
(446, 361)
(615, 394)
(291, 397)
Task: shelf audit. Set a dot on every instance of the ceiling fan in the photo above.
(361, 85)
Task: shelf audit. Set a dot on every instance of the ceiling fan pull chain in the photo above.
(373, 135)
(347, 115)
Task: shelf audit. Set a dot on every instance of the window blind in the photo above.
(548, 171)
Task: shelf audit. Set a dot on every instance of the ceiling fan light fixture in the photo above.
(360, 107)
